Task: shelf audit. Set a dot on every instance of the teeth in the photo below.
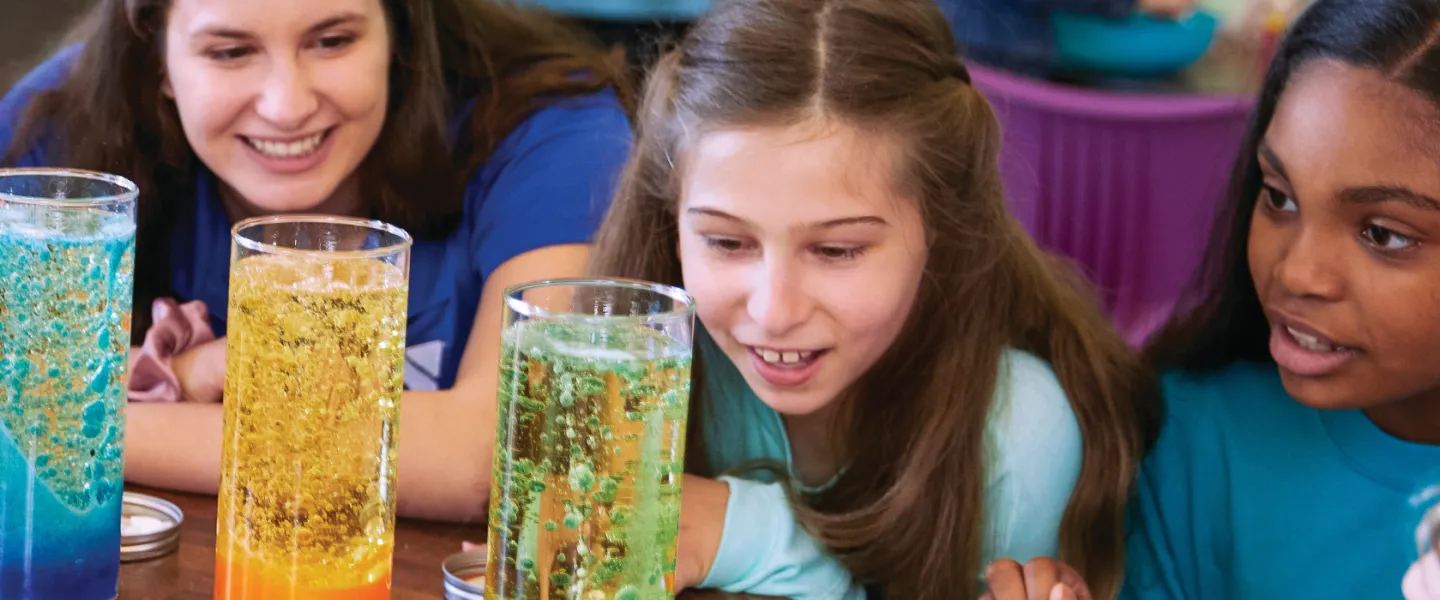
(786, 358)
(1310, 342)
(287, 149)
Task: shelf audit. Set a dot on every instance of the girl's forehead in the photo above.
(1350, 125)
(259, 17)
(800, 169)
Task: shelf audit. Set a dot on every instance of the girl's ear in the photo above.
(165, 88)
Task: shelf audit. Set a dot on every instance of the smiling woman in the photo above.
(283, 112)
(492, 135)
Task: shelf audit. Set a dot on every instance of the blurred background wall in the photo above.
(29, 30)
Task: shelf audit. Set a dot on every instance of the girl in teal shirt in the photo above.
(932, 389)
(1303, 403)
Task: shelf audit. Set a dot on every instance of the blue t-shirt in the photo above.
(548, 182)
(1250, 495)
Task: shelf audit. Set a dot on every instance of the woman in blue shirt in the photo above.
(1303, 403)
(490, 135)
(821, 176)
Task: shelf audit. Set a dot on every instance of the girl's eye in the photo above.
(1386, 239)
(228, 54)
(839, 253)
(726, 245)
(336, 42)
(1278, 201)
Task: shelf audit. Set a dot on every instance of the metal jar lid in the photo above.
(149, 527)
(465, 575)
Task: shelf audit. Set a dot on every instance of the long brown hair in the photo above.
(907, 512)
(110, 115)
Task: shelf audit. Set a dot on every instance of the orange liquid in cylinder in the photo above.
(243, 581)
(306, 509)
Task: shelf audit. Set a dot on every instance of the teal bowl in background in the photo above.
(1136, 46)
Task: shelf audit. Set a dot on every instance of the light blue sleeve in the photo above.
(1035, 455)
(764, 551)
(1034, 450)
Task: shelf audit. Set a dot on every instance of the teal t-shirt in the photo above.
(1033, 455)
(1250, 495)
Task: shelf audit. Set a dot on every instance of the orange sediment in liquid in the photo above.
(241, 580)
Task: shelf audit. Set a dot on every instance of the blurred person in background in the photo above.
(1016, 35)
(640, 28)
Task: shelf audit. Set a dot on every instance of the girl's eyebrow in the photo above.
(223, 31)
(1377, 194)
(830, 224)
(1362, 195)
(1268, 157)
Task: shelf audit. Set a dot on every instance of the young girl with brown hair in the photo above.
(938, 392)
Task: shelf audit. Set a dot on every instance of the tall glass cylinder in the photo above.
(594, 391)
(314, 362)
(67, 256)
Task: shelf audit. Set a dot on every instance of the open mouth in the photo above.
(1314, 343)
(787, 359)
(289, 149)
(1306, 352)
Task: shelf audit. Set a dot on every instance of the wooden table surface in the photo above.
(188, 573)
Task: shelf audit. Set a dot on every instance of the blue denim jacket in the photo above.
(1016, 34)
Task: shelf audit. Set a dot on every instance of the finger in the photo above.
(1071, 578)
(1062, 592)
(1041, 575)
(1006, 579)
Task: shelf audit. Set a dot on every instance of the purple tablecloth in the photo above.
(1124, 184)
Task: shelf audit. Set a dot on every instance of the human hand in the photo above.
(702, 522)
(201, 371)
(1423, 580)
(1168, 9)
(1039, 579)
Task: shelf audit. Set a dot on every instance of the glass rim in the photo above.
(531, 311)
(128, 191)
(403, 243)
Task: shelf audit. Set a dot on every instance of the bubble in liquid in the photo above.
(572, 520)
(581, 478)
